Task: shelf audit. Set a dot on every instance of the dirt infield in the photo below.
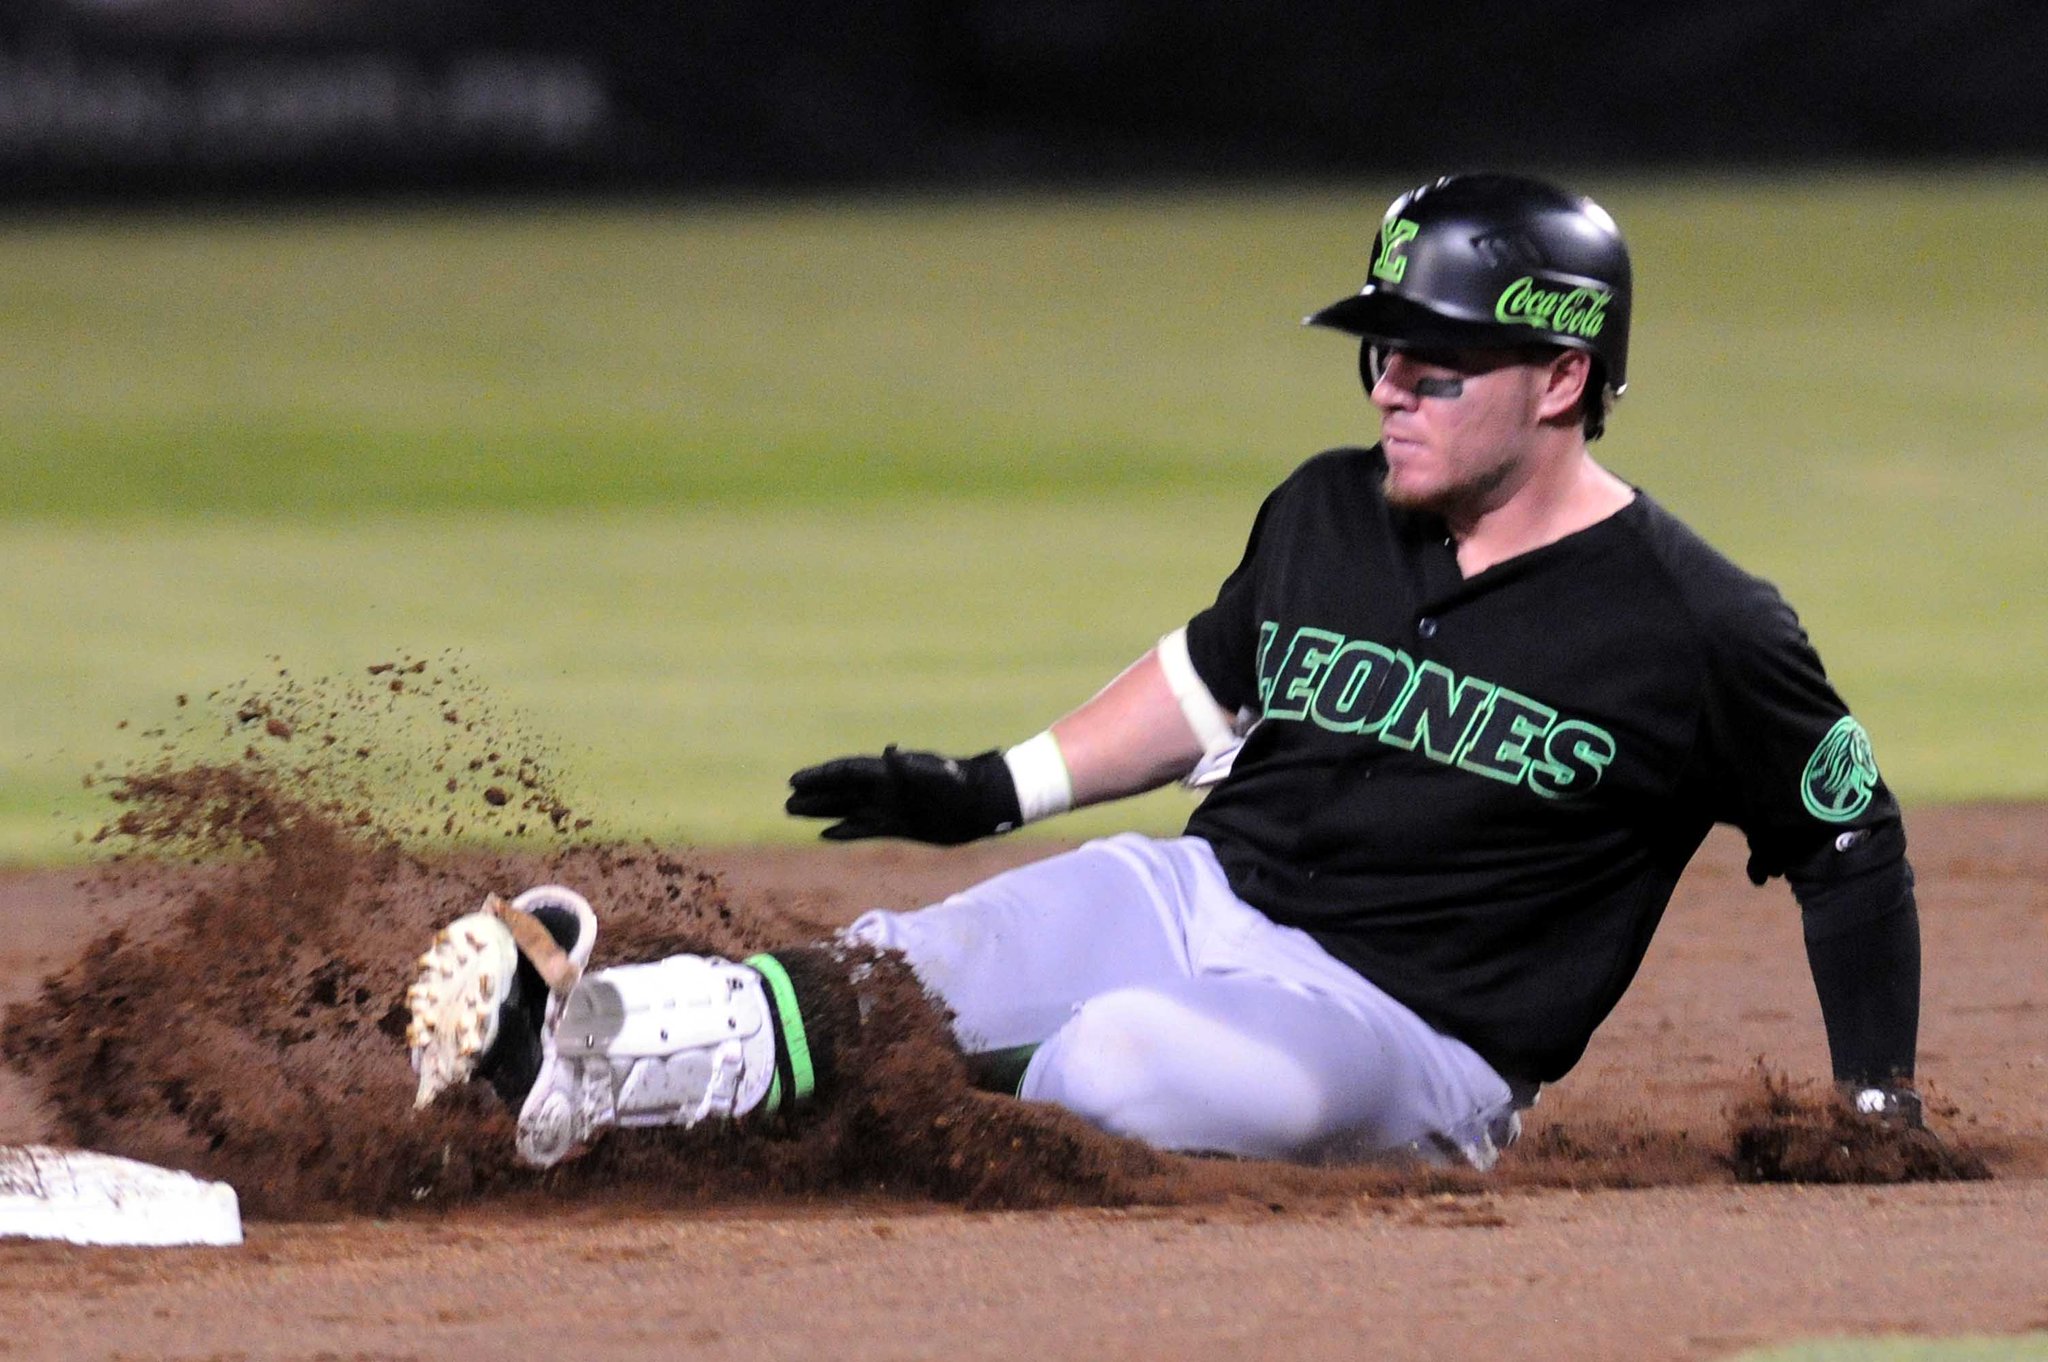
(236, 1017)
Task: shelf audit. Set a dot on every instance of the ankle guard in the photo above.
(670, 1043)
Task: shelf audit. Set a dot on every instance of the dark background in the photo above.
(181, 97)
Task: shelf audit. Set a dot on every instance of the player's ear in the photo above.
(1567, 380)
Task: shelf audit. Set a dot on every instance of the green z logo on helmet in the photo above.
(1840, 775)
(1391, 264)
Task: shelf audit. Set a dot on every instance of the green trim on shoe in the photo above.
(796, 1047)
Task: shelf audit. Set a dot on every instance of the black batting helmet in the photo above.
(1493, 260)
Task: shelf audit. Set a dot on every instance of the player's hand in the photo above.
(919, 795)
(1893, 1104)
(1911, 1150)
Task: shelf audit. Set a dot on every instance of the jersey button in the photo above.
(1426, 627)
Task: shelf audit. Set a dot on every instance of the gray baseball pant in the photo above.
(1167, 1009)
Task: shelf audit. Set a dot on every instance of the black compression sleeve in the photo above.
(1863, 945)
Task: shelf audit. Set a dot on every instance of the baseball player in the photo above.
(1464, 711)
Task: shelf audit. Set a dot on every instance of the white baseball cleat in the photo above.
(464, 979)
(489, 988)
(502, 995)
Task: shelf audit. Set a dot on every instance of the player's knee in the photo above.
(1106, 1062)
(1141, 1064)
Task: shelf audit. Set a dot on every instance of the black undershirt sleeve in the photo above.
(1796, 773)
(1862, 932)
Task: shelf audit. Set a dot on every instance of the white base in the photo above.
(85, 1198)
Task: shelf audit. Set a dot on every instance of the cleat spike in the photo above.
(463, 980)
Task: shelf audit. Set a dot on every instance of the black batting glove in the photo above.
(919, 795)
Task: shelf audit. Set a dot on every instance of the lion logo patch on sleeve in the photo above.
(1841, 774)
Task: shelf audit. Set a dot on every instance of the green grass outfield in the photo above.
(704, 492)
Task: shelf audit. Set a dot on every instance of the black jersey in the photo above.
(1480, 793)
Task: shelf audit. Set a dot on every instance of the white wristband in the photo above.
(1040, 773)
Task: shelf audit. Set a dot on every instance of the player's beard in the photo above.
(1458, 498)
